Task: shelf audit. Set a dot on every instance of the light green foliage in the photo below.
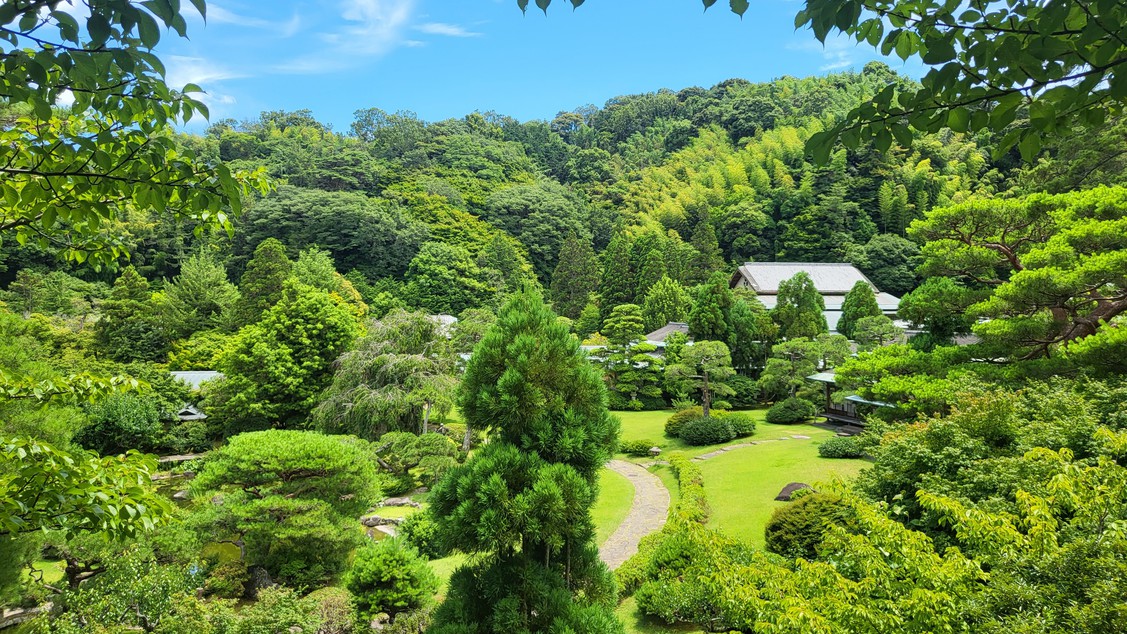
(791, 410)
(711, 312)
(276, 369)
(414, 460)
(625, 325)
(389, 577)
(201, 351)
(874, 332)
(261, 285)
(60, 186)
(396, 377)
(121, 422)
(576, 276)
(289, 501)
(589, 318)
(800, 308)
(199, 298)
(51, 293)
(665, 301)
(702, 367)
(314, 267)
(278, 609)
(524, 499)
(446, 279)
(471, 327)
(860, 302)
(47, 488)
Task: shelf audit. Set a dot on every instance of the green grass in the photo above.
(616, 494)
(635, 623)
(651, 426)
(741, 484)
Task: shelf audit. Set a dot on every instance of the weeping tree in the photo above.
(521, 505)
(395, 379)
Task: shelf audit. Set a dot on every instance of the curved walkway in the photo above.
(647, 514)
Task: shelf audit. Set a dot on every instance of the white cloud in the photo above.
(205, 73)
(217, 14)
(442, 28)
(837, 52)
(372, 29)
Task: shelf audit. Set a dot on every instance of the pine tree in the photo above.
(590, 319)
(707, 258)
(617, 285)
(261, 284)
(576, 276)
(800, 309)
(129, 329)
(521, 505)
(200, 297)
(708, 320)
(665, 302)
(650, 273)
(859, 302)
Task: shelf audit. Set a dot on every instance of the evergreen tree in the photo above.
(199, 298)
(522, 503)
(705, 367)
(751, 333)
(708, 257)
(708, 321)
(666, 301)
(800, 311)
(650, 273)
(678, 257)
(262, 282)
(617, 285)
(590, 318)
(575, 278)
(129, 329)
(502, 259)
(859, 302)
(628, 369)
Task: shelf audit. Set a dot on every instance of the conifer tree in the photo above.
(751, 333)
(261, 284)
(522, 503)
(200, 297)
(617, 286)
(708, 320)
(129, 329)
(590, 318)
(576, 276)
(800, 311)
(678, 257)
(859, 302)
(666, 301)
(628, 369)
(650, 273)
(708, 257)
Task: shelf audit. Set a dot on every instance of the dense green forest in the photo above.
(313, 269)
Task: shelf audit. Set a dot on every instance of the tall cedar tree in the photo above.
(576, 276)
(617, 286)
(860, 302)
(651, 272)
(708, 320)
(708, 257)
(200, 297)
(751, 333)
(800, 311)
(261, 284)
(129, 330)
(522, 503)
(666, 301)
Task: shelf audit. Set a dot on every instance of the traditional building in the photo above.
(833, 281)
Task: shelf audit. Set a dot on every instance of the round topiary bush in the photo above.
(792, 410)
(636, 448)
(743, 425)
(421, 531)
(389, 576)
(677, 421)
(798, 529)
(707, 431)
(842, 447)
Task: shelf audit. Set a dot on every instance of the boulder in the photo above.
(400, 502)
(372, 521)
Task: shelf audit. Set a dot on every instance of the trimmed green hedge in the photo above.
(842, 447)
(792, 410)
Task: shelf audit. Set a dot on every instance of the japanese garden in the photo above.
(840, 353)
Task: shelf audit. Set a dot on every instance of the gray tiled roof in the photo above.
(835, 278)
(662, 333)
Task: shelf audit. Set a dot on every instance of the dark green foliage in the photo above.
(278, 609)
(636, 448)
(860, 302)
(797, 529)
(122, 422)
(130, 329)
(420, 530)
(617, 285)
(751, 332)
(390, 577)
(200, 298)
(742, 424)
(262, 282)
(576, 276)
(800, 308)
(745, 391)
(541, 216)
(708, 320)
(664, 302)
(707, 431)
(842, 447)
(707, 260)
(414, 460)
(676, 422)
(791, 410)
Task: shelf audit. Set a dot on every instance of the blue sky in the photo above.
(446, 58)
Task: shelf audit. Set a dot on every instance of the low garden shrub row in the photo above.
(691, 426)
(791, 410)
(843, 447)
(636, 448)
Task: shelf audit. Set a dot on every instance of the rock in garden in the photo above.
(400, 502)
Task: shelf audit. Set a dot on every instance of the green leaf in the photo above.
(1029, 146)
(958, 119)
(148, 29)
(543, 4)
(738, 6)
(98, 28)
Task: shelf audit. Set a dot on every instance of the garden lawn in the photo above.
(741, 484)
(651, 426)
(616, 494)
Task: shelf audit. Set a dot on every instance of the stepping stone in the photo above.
(797, 437)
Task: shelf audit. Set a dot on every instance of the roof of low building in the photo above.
(829, 278)
(661, 334)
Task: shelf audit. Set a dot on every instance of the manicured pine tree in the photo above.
(521, 505)
(666, 301)
(800, 311)
(261, 284)
(617, 285)
(708, 320)
(859, 302)
(576, 276)
(628, 369)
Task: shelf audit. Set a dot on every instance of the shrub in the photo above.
(334, 606)
(391, 577)
(742, 424)
(797, 529)
(842, 447)
(792, 410)
(421, 531)
(746, 391)
(278, 609)
(675, 422)
(227, 579)
(637, 448)
(707, 431)
(415, 622)
(121, 422)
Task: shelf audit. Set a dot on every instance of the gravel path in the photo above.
(647, 513)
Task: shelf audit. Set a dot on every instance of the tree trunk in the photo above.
(426, 416)
(705, 396)
(466, 438)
